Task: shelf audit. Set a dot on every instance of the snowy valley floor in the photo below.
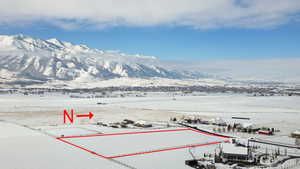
(30, 126)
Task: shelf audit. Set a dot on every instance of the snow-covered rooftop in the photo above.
(297, 132)
(229, 148)
(247, 125)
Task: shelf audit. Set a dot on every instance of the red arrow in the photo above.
(90, 115)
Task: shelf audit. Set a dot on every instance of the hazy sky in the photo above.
(270, 69)
(167, 29)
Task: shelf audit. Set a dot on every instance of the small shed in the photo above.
(296, 134)
(143, 124)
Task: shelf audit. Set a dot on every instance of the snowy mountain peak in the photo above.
(35, 59)
(56, 42)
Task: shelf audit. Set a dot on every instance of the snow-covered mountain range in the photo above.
(27, 58)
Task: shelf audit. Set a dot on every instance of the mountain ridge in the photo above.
(27, 58)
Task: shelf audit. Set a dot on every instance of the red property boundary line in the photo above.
(114, 134)
(143, 132)
(82, 148)
(167, 149)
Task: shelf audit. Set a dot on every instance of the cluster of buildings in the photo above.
(241, 154)
(126, 123)
(223, 126)
(197, 120)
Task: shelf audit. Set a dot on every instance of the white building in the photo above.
(231, 152)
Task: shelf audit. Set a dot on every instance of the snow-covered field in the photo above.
(269, 111)
(30, 125)
(131, 143)
(22, 148)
